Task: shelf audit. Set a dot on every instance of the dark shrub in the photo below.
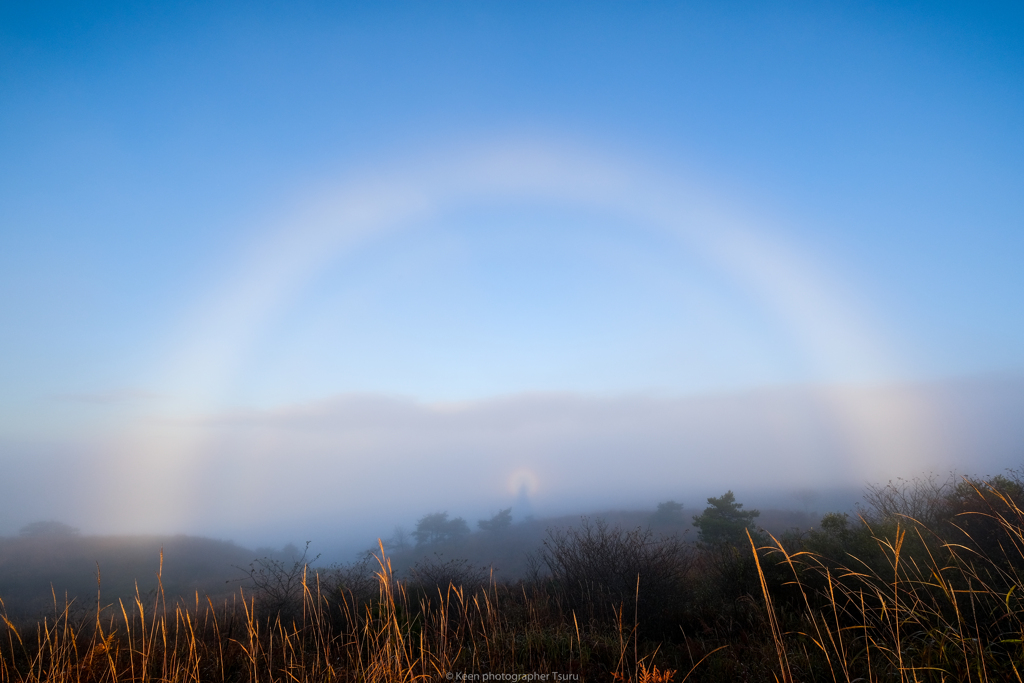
(278, 585)
(725, 521)
(597, 572)
(433, 575)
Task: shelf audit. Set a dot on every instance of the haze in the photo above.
(280, 272)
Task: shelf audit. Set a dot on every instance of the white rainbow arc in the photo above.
(354, 213)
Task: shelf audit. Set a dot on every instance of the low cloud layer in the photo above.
(353, 466)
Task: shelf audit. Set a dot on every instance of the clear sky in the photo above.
(241, 236)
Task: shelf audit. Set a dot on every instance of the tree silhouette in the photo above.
(723, 521)
(499, 522)
(436, 527)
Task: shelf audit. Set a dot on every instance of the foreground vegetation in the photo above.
(924, 585)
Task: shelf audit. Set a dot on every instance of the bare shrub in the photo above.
(278, 584)
(434, 573)
(350, 586)
(358, 579)
(922, 499)
(599, 571)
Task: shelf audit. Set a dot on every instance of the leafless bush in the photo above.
(595, 570)
(353, 584)
(436, 573)
(278, 584)
(922, 499)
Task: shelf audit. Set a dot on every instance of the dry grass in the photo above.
(923, 607)
(336, 638)
(933, 610)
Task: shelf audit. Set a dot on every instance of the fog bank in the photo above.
(345, 469)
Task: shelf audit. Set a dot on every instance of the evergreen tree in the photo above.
(499, 522)
(724, 521)
(436, 527)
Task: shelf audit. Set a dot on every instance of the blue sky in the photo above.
(598, 200)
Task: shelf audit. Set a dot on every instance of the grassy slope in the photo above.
(29, 567)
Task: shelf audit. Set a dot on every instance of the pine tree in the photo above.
(724, 521)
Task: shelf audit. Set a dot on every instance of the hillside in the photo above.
(35, 571)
